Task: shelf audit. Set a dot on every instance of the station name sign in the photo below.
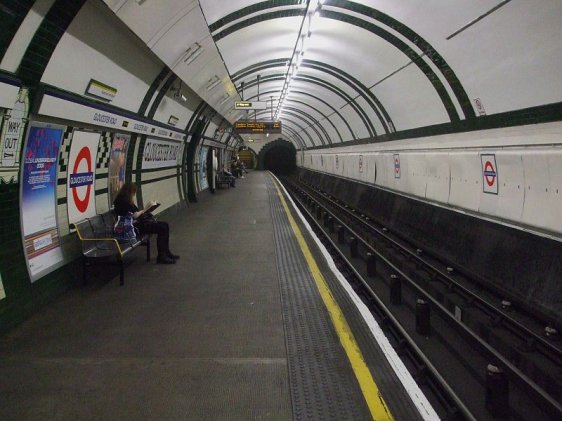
(247, 105)
(256, 127)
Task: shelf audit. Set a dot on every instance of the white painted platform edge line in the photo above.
(418, 397)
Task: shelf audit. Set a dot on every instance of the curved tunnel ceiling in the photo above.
(334, 71)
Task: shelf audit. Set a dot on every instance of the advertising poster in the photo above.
(215, 168)
(11, 137)
(117, 162)
(161, 153)
(203, 182)
(81, 176)
(397, 171)
(38, 199)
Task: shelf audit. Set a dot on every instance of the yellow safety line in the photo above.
(377, 406)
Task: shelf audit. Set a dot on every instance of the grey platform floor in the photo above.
(206, 339)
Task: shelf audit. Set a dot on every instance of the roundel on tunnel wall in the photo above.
(81, 167)
(489, 173)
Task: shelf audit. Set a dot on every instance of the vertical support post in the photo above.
(353, 249)
(148, 248)
(84, 268)
(331, 224)
(395, 290)
(341, 234)
(497, 392)
(371, 264)
(423, 326)
(121, 272)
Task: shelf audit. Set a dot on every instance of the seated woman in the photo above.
(228, 175)
(146, 223)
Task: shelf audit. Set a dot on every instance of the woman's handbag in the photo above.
(124, 229)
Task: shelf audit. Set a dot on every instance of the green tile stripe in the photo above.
(12, 14)
(45, 40)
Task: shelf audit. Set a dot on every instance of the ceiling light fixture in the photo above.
(192, 53)
(313, 9)
(213, 82)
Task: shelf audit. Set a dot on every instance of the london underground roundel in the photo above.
(82, 179)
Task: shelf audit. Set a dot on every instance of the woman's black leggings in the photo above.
(162, 230)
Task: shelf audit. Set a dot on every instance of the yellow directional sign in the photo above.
(247, 105)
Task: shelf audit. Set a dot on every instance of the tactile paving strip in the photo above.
(322, 382)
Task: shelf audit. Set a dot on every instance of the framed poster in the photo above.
(203, 182)
(38, 199)
(117, 163)
(397, 171)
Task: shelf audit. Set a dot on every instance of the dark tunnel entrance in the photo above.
(279, 157)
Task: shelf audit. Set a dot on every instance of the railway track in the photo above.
(476, 355)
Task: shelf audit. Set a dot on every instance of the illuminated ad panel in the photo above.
(81, 193)
(203, 182)
(38, 199)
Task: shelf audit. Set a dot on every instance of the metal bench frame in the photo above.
(98, 244)
(222, 180)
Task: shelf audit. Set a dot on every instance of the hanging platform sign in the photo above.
(101, 90)
(247, 105)
(256, 127)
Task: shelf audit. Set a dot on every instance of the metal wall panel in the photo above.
(529, 182)
(511, 182)
(554, 205)
(466, 180)
(387, 173)
(543, 189)
(413, 173)
(369, 168)
(437, 177)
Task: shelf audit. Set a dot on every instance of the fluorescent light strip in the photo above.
(192, 53)
(213, 82)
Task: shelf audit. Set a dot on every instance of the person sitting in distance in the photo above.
(145, 222)
(234, 168)
(231, 179)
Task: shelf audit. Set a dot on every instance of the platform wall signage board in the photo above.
(80, 185)
(11, 137)
(161, 153)
(38, 199)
